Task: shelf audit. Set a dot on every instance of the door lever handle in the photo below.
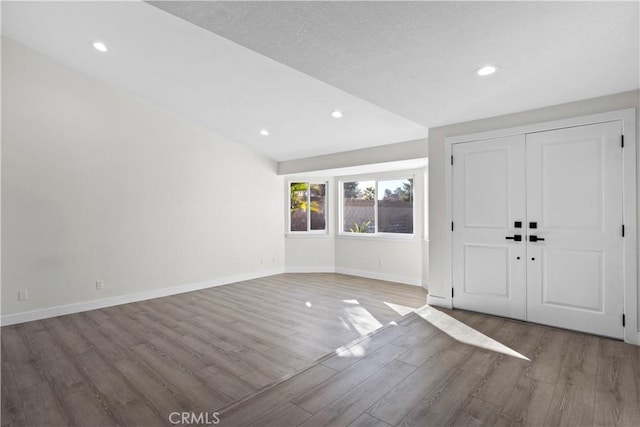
(515, 237)
(535, 239)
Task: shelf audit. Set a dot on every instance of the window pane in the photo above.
(318, 212)
(395, 206)
(358, 209)
(298, 196)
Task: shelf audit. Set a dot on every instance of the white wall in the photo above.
(425, 242)
(98, 184)
(310, 254)
(401, 259)
(408, 150)
(439, 224)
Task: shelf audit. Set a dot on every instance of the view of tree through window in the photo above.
(384, 206)
(395, 206)
(358, 212)
(307, 206)
(318, 215)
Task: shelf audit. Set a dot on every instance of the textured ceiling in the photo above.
(417, 58)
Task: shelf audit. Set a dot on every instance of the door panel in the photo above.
(486, 170)
(480, 275)
(574, 194)
(562, 266)
(488, 188)
(571, 182)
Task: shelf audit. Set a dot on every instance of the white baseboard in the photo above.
(439, 301)
(415, 281)
(61, 310)
(323, 269)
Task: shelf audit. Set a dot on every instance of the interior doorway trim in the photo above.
(628, 119)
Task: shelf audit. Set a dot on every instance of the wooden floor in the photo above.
(134, 364)
(263, 353)
(494, 372)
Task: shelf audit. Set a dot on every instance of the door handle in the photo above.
(535, 239)
(515, 237)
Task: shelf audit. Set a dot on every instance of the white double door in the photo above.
(538, 227)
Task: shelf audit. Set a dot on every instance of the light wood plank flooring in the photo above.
(494, 372)
(134, 364)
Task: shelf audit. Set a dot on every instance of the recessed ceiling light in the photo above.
(264, 132)
(336, 114)
(99, 46)
(486, 70)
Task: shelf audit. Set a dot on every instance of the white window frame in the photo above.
(308, 232)
(377, 234)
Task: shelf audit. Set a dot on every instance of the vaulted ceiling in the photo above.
(393, 68)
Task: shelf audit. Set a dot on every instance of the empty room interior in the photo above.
(340, 213)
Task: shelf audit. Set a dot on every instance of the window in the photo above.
(358, 207)
(383, 206)
(307, 206)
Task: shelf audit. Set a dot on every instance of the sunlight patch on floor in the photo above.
(463, 333)
(400, 309)
(361, 320)
(355, 350)
(345, 324)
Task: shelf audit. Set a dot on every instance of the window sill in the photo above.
(305, 235)
(379, 237)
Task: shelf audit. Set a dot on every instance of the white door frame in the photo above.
(628, 119)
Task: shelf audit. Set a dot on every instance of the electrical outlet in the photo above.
(99, 284)
(380, 262)
(23, 295)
